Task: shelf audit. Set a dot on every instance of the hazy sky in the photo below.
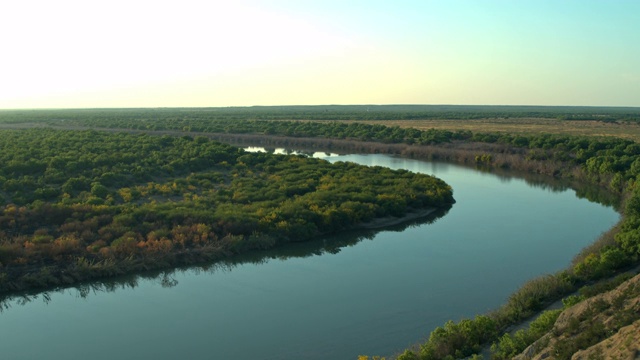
(143, 53)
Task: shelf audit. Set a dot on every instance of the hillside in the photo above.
(606, 326)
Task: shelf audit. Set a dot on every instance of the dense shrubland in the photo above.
(81, 204)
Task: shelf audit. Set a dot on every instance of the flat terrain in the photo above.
(626, 130)
(524, 126)
(620, 122)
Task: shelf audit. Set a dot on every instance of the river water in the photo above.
(371, 293)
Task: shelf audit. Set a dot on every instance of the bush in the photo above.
(459, 340)
(511, 345)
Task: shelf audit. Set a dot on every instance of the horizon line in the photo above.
(320, 105)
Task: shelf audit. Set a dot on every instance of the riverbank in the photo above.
(515, 331)
(388, 221)
(30, 278)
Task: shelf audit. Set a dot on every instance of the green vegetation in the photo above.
(511, 345)
(334, 112)
(524, 120)
(609, 163)
(84, 204)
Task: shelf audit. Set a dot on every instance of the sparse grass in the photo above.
(524, 126)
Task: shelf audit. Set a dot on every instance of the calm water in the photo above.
(359, 293)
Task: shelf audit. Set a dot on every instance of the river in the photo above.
(359, 293)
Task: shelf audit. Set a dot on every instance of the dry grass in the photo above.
(630, 131)
(524, 126)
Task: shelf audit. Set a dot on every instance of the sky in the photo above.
(196, 53)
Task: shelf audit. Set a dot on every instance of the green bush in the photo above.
(510, 345)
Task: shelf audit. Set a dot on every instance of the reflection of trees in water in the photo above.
(166, 278)
(583, 189)
(285, 151)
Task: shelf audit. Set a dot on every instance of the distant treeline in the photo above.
(333, 112)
